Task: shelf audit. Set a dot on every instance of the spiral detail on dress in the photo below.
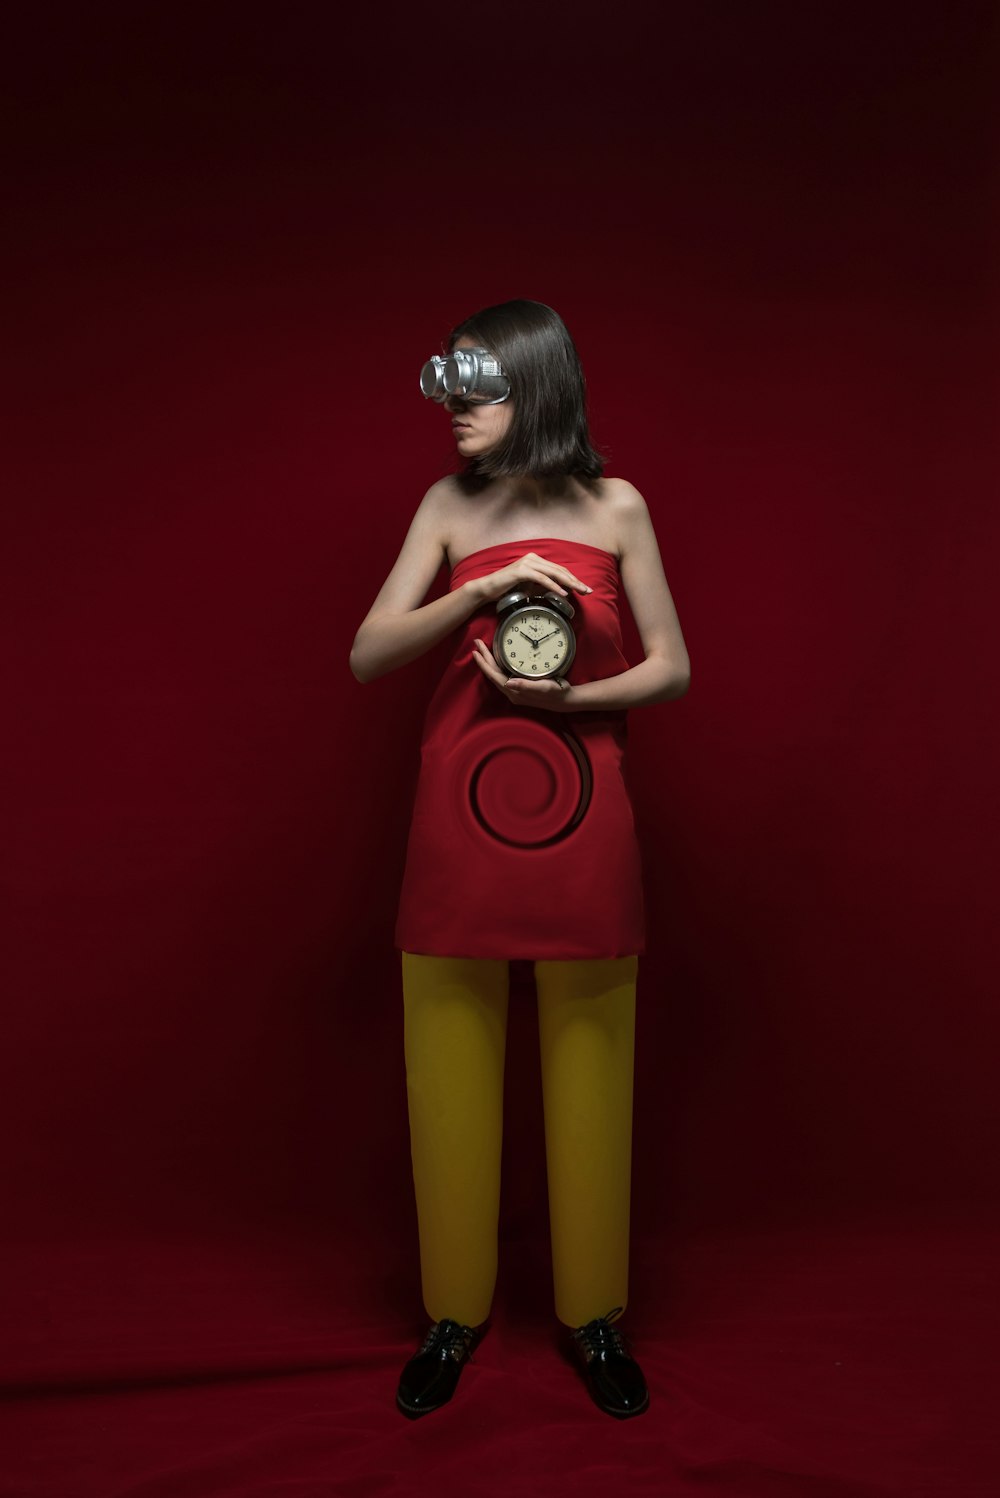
(523, 783)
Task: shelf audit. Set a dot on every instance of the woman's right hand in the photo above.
(530, 573)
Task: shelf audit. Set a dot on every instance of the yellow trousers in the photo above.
(455, 1031)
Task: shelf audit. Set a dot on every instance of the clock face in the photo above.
(535, 642)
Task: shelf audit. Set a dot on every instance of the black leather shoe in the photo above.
(613, 1376)
(430, 1377)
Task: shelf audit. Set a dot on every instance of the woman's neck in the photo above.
(534, 493)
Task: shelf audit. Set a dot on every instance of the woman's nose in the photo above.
(454, 403)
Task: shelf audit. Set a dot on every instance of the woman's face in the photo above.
(477, 428)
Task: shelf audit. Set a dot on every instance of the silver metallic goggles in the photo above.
(473, 374)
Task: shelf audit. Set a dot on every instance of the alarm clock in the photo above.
(534, 637)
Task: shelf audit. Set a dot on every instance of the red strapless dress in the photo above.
(522, 843)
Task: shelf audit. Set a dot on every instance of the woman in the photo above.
(522, 843)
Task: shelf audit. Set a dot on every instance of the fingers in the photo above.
(557, 571)
(553, 585)
(550, 575)
(519, 690)
(489, 666)
(577, 582)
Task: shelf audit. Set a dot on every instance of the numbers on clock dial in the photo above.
(521, 644)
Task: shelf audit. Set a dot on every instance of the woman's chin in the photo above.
(470, 448)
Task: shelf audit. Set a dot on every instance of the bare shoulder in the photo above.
(441, 495)
(443, 500)
(628, 514)
(437, 512)
(621, 495)
(421, 556)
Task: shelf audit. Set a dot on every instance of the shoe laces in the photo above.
(600, 1336)
(451, 1339)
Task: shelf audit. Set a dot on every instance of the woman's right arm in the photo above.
(396, 629)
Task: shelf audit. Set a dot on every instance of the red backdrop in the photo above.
(234, 244)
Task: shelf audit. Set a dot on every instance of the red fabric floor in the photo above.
(808, 1360)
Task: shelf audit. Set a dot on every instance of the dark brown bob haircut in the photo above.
(548, 434)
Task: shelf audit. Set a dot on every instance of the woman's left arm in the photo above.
(666, 671)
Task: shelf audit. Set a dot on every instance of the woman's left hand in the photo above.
(553, 692)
